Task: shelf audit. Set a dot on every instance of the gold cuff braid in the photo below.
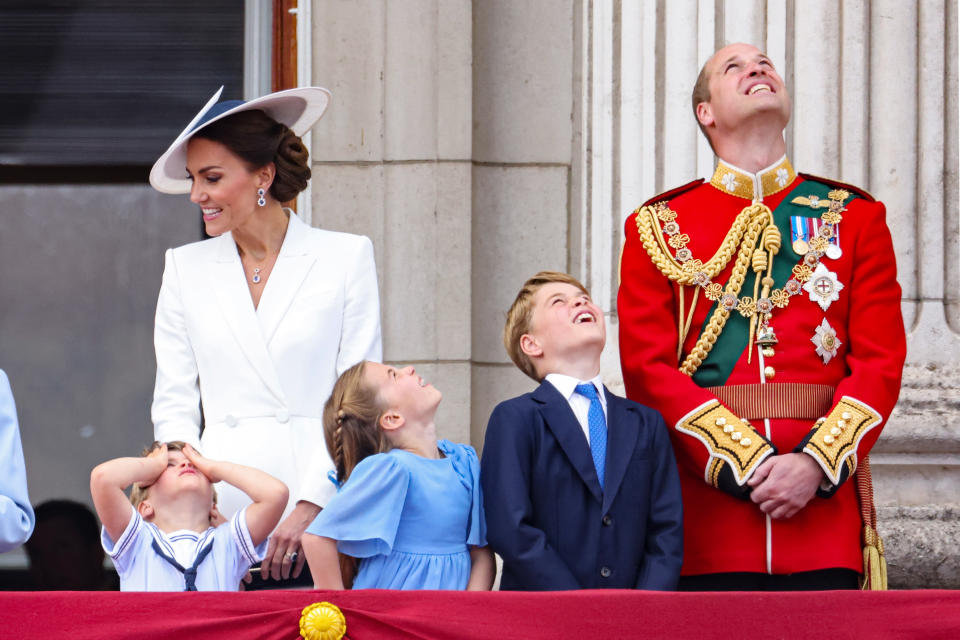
(728, 439)
(834, 442)
(714, 467)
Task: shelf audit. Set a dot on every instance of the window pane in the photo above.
(110, 82)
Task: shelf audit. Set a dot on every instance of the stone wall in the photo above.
(393, 160)
(477, 143)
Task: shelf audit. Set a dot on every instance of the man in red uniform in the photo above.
(760, 313)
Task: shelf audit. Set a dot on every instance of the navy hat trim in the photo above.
(216, 110)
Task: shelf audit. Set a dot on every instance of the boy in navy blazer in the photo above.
(580, 486)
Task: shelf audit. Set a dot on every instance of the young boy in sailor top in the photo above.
(167, 540)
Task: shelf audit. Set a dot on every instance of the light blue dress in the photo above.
(409, 519)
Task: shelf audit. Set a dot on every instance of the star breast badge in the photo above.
(823, 286)
(826, 341)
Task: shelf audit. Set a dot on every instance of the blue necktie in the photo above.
(189, 575)
(598, 428)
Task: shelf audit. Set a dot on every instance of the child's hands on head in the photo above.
(156, 463)
(204, 465)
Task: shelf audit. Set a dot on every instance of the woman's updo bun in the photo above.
(259, 140)
(293, 168)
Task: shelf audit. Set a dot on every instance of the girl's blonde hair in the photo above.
(351, 419)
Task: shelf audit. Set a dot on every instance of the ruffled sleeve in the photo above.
(467, 467)
(364, 515)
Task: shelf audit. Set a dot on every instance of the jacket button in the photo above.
(230, 420)
(283, 415)
(605, 572)
(607, 520)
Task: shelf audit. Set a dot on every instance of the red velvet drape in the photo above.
(462, 616)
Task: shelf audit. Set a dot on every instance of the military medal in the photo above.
(823, 286)
(833, 250)
(826, 341)
(806, 229)
(830, 233)
(800, 233)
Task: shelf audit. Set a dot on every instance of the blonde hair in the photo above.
(138, 492)
(351, 420)
(520, 317)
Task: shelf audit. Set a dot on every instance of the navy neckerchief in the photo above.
(189, 575)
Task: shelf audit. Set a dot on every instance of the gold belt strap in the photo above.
(781, 400)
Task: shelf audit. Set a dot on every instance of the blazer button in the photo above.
(230, 420)
(283, 416)
(607, 520)
(605, 572)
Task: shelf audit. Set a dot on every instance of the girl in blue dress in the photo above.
(409, 506)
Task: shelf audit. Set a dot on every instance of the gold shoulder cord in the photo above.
(745, 231)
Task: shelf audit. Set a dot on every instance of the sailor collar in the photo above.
(753, 186)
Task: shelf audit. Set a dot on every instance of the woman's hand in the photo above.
(283, 557)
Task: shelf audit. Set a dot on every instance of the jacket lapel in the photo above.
(233, 298)
(621, 441)
(563, 424)
(288, 274)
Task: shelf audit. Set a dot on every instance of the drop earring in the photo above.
(261, 201)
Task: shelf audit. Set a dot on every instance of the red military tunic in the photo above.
(840, 355)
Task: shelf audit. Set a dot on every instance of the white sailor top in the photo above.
(147, 559)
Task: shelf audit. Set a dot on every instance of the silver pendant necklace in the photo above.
(256, 275)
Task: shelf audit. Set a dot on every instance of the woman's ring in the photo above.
(292, 555)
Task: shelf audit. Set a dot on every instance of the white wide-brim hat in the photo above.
(298, 108)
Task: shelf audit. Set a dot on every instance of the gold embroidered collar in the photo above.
(753, 186)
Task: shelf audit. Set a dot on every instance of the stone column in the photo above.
(522, 131)
(391, 160)
(915, 159)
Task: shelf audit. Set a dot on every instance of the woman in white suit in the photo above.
(257, 323)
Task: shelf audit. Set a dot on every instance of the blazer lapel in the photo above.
(233, 298)
(563, 424)
(621, 441)
(288, 274)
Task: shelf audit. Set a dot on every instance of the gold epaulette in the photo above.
(667, 195)
(836, 184)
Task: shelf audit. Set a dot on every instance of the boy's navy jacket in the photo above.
(546, 514)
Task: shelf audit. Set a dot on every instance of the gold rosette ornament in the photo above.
(322, 621)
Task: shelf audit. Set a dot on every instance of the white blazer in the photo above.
(263, 374)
